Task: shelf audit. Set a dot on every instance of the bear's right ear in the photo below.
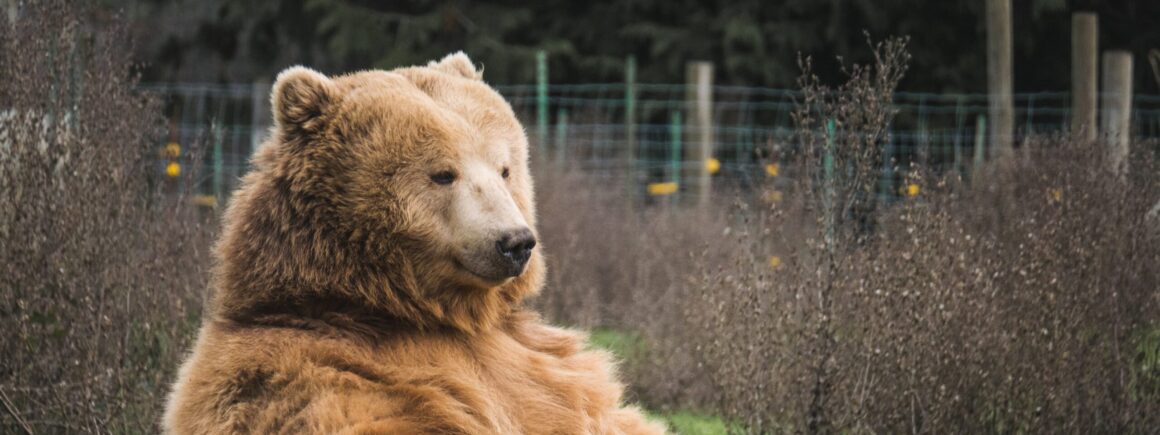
(457, 64)
(299, 98)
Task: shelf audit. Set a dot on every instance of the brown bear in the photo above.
(371, 271)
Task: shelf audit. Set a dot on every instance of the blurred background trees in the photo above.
(753, 42)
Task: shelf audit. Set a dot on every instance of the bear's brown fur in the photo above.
(339, 304)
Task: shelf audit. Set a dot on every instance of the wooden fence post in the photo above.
(1116, 113)
(699, 103)
(999, 72)
(1084, 51)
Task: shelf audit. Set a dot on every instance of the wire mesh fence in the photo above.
(641, 131)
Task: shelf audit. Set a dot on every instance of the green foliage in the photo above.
(752, 42)
(1145, 373)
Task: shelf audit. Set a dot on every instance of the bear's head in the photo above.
(400, 194)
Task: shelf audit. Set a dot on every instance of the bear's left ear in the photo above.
(457, 64)
(300, 96)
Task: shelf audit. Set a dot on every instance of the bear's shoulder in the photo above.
(528, 377)
(301, 378)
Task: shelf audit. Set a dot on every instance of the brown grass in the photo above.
(101, 273)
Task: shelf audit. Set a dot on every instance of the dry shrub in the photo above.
(613, 262)
(1025, 302)
(1019, 304)
(101, 273)
(1022, 299)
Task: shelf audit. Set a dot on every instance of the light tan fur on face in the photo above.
(347, 292)
(482, 211)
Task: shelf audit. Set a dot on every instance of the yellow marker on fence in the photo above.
(912, 190)
(205, 200)
(172, 150)
(712, 166)
(771, 170)
(173, 169)
(659, 189)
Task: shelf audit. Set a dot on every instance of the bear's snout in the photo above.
(516, 247)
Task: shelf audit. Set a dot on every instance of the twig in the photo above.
(8, 406)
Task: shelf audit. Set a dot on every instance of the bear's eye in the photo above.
(505, 172)
(443, 177)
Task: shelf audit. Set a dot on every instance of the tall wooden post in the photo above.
(1084, 51)
(1116, 110)
(699, 103)
(999, 72)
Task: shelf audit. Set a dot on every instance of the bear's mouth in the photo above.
(487, 279)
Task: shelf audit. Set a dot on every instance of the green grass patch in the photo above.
(629, 347)
(688, 423)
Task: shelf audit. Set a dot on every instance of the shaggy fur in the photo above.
(339, 306)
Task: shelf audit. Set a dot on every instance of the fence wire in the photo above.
(589, 127)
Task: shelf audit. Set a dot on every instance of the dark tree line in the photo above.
(752, 42)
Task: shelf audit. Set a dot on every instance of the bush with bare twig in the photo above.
(101, 274)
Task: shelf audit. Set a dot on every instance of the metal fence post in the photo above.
(630, 148)
(675, 156)
(260, 113)
(542, 97)
(960, 119)
(980, 141)
(630, 115)
(561, 137)
(218, 160)
(829, 199)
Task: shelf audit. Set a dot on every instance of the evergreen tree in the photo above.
(752, 42)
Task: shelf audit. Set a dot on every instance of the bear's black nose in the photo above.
(516, 247)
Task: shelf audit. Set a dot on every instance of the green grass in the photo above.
(630, 347)
(688, 423)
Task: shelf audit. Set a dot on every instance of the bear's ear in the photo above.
(300, 96)
(458, 64)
